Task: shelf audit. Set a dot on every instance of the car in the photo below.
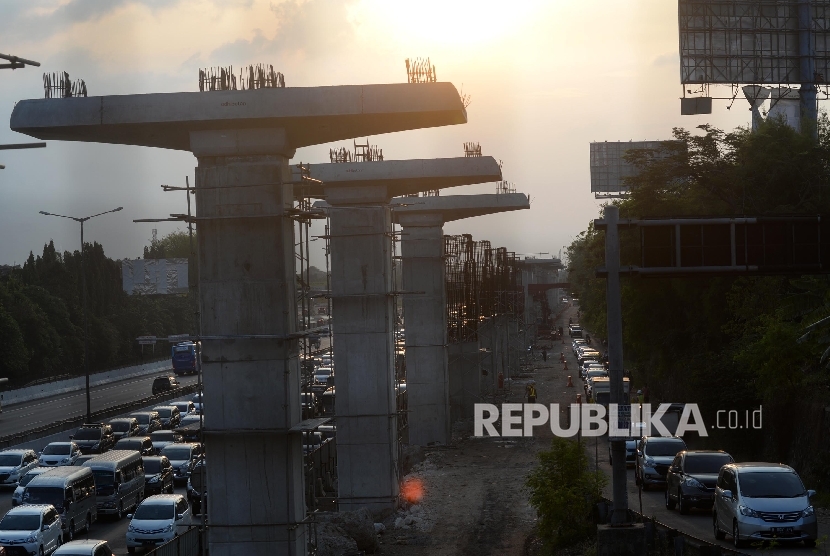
(124, 427)
(630, 451)
(17, 495)
(165, 384)
(148, 421)
(158, 475)
(761, 502)
(185, 407)
(83, 458)
(196, 487)
(193, 418)
(14, 464)
(141, 444)
(183, 456)
(86, 547)
(31, 529)
(157, 520)
(691, 479)
(654, 455)
(56, 454)
(574, 330)
(94, 438)
(322, 374)
(169, 414)
(197, 403)
(160, 439)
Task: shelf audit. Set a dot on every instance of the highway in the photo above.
(36, 413)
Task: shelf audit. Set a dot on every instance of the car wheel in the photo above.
(58, 542)
(736, 538)
(88, 525)
(120, 513)
(41, 551)
(669, 502)
(71, 532)
(682, 505)
(810, 543)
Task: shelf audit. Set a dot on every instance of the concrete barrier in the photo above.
(21, 395)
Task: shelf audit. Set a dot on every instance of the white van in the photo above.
(119, 481)
(33, 529)
(71, 490)
(157, 520)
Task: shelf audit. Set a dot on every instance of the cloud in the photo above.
(667, 59)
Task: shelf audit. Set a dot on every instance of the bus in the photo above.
(184, 358)
(71, 490)
(119, 481)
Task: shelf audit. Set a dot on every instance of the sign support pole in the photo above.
(615, 360)
(809, 110)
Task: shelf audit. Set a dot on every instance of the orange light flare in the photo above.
(412, 490)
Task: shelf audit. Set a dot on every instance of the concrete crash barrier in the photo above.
(45, 390)
(97, 416)
(660, 539)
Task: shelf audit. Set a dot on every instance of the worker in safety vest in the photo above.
(531, 393)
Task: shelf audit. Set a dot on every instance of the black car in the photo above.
(94, 438)
(124, 427)
(141, 444)
(169, 415)
(691, 479)
(158, 475)
(164, 384)
(148, 421)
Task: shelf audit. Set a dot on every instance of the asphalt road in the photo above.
(30, 415)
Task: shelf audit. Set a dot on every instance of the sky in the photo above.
(545, 78)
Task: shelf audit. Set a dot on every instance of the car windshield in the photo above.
(177, 453)
(152, 466)
(56, 449)
(164, 412)
(154, 511)
(162, 436)
(10, 460)
(664, 447)
(88, 433)
(17, 522)
(129, 444)
(44, 495)
(142, 419)
(771, 485)
(595, 373)
(121, 426)
(706, 463)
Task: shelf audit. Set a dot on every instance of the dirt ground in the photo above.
(474, 501)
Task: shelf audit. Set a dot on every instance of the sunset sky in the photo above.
(545, 78)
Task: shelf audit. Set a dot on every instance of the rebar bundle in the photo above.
(472, 149)
(260, 76)
(340, 155)
(420, 71)
(59, 85)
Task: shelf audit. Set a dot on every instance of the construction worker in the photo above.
(531, 392)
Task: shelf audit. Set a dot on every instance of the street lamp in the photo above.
(83, 293)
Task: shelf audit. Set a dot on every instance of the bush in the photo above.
(564, 493)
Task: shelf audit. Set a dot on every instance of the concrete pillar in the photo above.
(464, 365)
(427, 376)
(363, 326)
(251, 387)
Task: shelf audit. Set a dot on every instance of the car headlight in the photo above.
(32, 538)
(694, 483)
(807, 512)
(169, 528)
(747, 511)
(153, 479)
(65, 460)
(648, 462)
(96, 445)
(130, 528)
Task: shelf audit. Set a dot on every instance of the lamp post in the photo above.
(83, 293)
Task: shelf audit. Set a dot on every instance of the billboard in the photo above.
(609, 170)
(154, 276)
(750, 41)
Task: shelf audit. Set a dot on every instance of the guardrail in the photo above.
(187, 544)
(97, 416)
(665, 540)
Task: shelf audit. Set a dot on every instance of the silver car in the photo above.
(654, 455)
(763, 501)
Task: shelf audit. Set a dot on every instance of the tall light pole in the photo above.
(83, 293)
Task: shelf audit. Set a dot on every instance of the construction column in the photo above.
(363, 327)
(427, 377)
(246, 259)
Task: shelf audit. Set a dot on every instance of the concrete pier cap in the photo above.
(425, 211)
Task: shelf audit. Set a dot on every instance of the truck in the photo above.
(601, 390)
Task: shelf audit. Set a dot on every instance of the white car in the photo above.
(14, 464)
(157, 520)
(56, 454)
(35, 528)
(185, 407)
(17, 495)
(86, 547)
